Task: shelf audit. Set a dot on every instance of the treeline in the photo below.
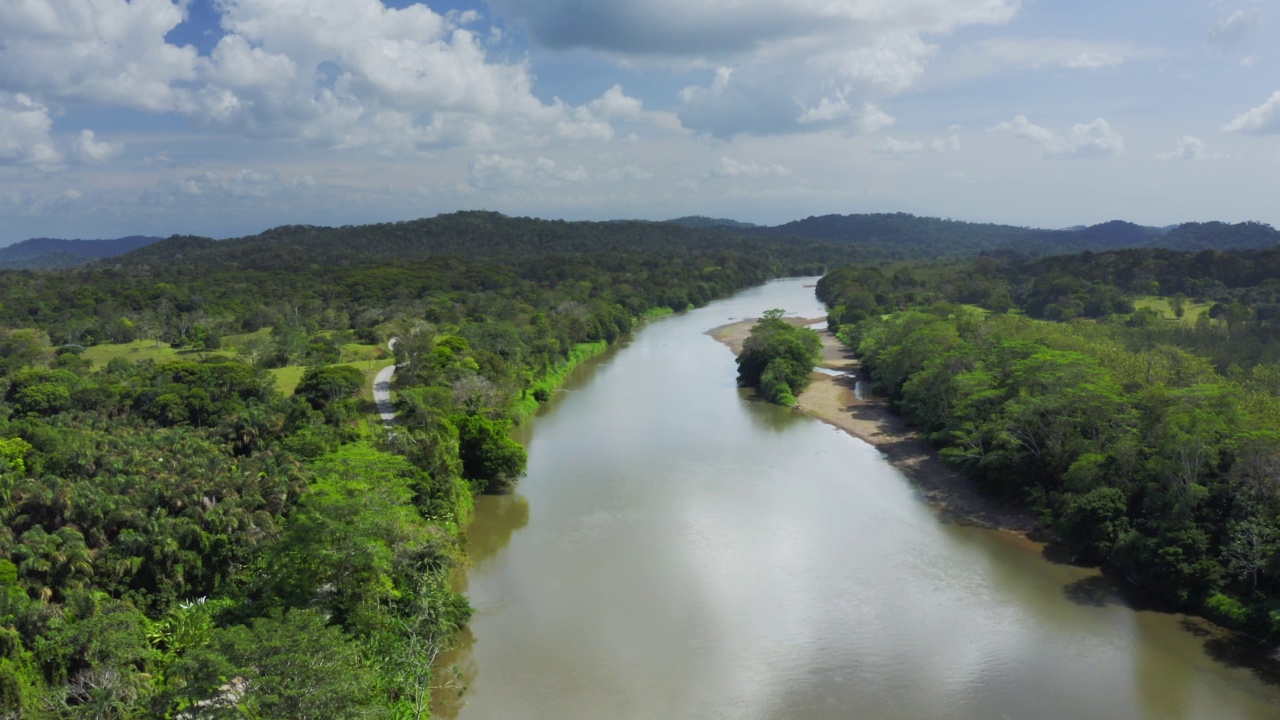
(357, 278)
(1146, 442)
(180, 539)
(1238, 329)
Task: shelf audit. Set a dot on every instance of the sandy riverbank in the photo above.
(833, 401)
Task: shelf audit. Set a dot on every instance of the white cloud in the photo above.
(874, 119)
(626, 172)
(907, 149)
(242, 184)
(898, 148)
(24, 132)
(335, 73)
(615, 103)
(494, 171)
(835, 87)
(1261, 120)
(870, 118)
(1092, 60)
(948, 144)
(826, 111)
(780, 66)
(1004, 54)
(1231, 31)
(87, 149)
(1084, 140)
(730, 168)
(351, 73)
(109, 51)
(1189, 147)
(892, 63)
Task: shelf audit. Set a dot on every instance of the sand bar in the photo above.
(833, 400)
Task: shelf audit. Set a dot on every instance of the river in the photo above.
(680, 550)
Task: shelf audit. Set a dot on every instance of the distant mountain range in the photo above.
(51, 253)
(903, 235)
(877, 236)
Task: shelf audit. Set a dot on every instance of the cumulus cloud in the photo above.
(88, 149)
(335, 73)
(1189, 147)
(728, 168)
(780, 66)
(24, 132)
(615, 103)
(351, 73)
(110, 51)
(834, 87)
(1261, 120)
(1084, 140)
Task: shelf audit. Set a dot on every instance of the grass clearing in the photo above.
(140, 350)
(236, 342)
(357, 352)
(287, 378)
(1191, 310)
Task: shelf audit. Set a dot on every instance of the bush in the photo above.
(1226, 609)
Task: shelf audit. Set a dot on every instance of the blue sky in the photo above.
(227, 117)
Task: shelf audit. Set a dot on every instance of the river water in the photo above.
(679, 550)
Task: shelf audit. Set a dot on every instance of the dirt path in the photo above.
(382, 390)
(833, 400)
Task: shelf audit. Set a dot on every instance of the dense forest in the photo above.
(777, 358)
(202, 517)
(1131, 399)
(185, 536)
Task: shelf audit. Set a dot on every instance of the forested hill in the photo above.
(50, 253)
(702, 221)
(905, 236)
(469, 235)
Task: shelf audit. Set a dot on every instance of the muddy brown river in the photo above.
(679, 550)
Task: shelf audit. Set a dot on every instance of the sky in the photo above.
(228, 117)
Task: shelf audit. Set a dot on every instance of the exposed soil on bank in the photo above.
(834, 400)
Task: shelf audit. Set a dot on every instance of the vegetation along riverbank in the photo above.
(1145, 441)
(200, 514)
(868, 416)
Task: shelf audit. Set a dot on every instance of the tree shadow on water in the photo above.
(1093, 591)
(1103, 590)
(1240, 651)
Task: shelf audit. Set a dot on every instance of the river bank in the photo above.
(753, 563)
(836, 401)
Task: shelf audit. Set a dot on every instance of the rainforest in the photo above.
(203, 515)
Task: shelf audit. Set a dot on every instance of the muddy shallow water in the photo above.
(679, 550)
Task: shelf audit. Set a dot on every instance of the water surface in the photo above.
(679, 550)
